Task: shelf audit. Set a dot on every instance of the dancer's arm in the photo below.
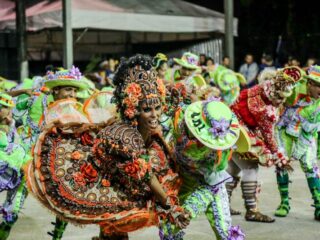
(16, 93)
(157, 190)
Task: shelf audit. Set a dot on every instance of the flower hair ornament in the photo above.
(137, 82)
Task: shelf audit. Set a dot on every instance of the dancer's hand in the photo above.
(281, 160)
(183, 220)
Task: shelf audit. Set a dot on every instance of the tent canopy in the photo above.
(164, 16)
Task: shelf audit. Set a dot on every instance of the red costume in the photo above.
(256, 113)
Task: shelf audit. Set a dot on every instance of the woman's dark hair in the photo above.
(125, 64)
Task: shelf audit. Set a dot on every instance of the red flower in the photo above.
(76, 155)
(86, 139)
(105, 183)
(136, 169)
(132, 169)
(79, 179)
(130, 112)
(131, 101)
(144, 166)
(88, 172)
(134, 90)
(161, 88)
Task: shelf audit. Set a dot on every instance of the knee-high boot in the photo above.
(230, 186)
(314, 186)
(5, 228)
(249, 189)
(59, 228)
(112, 236)
(283, 186)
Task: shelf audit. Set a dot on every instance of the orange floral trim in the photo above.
(105, 183)
(76, 155)
(134, 89)
(79, 179)
(134, 93)
(161, 88)
(136, 169)
(88, 172)
(152, 95)
(87, 139)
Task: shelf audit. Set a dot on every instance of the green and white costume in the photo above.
(12, 158)
(297, 135)
(203, 170)
(227, 81)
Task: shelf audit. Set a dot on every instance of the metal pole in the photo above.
(21, 40)
(228, 23)
(67, 34)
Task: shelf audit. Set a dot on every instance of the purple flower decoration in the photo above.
(75, 72)
(211, 99)
(219, 127)
(50, 75)
(235, 233)
(316, 170)
(192, 60)
(8, 216)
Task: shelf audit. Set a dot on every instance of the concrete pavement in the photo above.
(34, 221)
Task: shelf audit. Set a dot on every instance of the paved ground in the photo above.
(35, 221)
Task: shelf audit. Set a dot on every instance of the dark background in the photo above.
(259, 27)
(261, 22)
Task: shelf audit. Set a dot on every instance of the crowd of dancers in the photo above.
(158, 146)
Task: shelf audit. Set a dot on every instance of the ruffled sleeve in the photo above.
(266, 117)
(241, 109)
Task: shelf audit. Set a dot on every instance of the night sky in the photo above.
(262, 22)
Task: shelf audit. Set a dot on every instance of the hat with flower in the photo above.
(136, 81)
(6, 100)
(188, 60)
(215, 125)
(225, 79)
(71, 77)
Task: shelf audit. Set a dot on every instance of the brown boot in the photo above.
(114, 236)
(249, 189)
(253, 215)
(230, 186)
